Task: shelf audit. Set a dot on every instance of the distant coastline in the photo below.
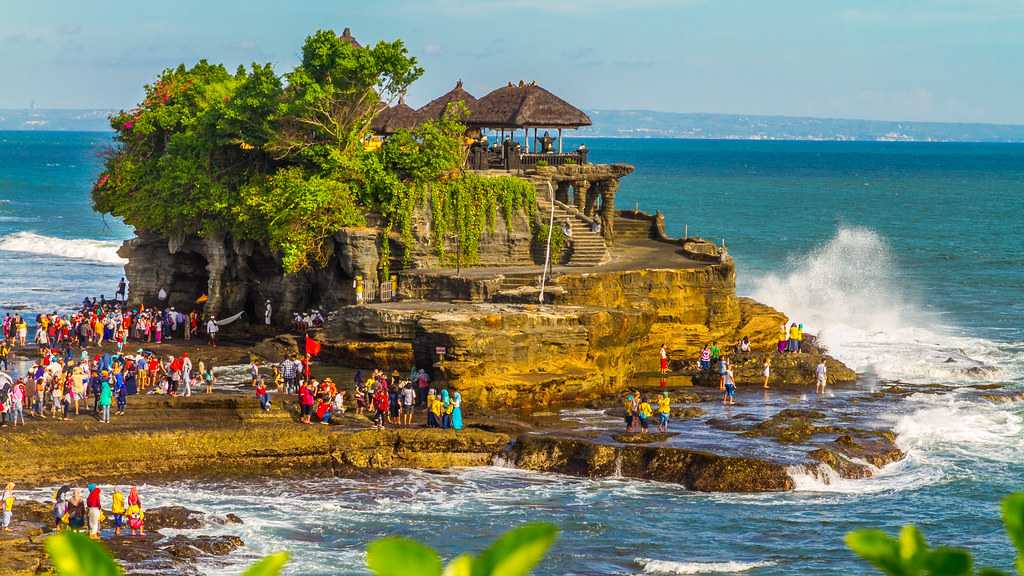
(646, 124)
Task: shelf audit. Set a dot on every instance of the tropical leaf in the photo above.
(396, 556)
(74, 554)
(949, 562)
(460, 566)
(269, 566)
(878, 548)
(516, 552)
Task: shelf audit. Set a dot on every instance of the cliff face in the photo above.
(600, 336)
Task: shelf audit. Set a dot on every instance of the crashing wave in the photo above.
(670, 567)
(103, 251)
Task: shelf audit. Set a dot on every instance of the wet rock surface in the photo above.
(22, 550)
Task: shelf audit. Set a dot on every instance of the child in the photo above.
(766, 370)
(664, 409)
(730, 388)
(8, 505)
(645, 411)
(118, 509)
(434, 413)
(263, 395)
(209, 379)
(136, 516)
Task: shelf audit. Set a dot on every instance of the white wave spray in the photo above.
(847, 291)
(102, 251)
(668, 567)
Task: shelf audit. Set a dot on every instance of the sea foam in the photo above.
(102, 251)
(669, 567)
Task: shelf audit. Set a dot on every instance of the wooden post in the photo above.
(559, 140)
(686, 231)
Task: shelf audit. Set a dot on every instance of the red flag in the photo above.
(312, 346)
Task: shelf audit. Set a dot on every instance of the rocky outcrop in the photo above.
(22, 551)
(696, 470)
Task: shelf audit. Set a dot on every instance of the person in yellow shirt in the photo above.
(644, 413)
(434, 414)
(8, 505)
(664, 410)
(119, 510)
(794, 333)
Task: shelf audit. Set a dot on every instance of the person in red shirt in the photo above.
(93, 502)
(381, 403)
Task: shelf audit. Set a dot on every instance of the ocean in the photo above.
(901, 256)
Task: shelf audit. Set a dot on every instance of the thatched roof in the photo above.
(435, 108)
(398, 117)
(348, 38)
(515, 106)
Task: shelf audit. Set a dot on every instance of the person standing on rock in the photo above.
(723, 367)
(766, 369)
(664, 359)
(664, 410)
(644, 413)
(730, 389)
(821, 375)
(211, 331)
(93, 503)
(267, 312)
(7, 503)
(705, 358)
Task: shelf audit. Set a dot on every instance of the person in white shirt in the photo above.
(211, 330)
(821, 371)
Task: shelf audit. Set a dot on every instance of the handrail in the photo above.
(573, 210)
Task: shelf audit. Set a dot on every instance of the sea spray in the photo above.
(101, 251)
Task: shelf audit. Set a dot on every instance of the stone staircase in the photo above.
(586, 247)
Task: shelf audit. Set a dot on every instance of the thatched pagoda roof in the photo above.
(348, 38)
(398, 117)
(435, 109)
(516, 106)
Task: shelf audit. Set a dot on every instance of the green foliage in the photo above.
(207, 151)
(558, 240)
(297, 214)
(270, 566)
(282, 163)
(74, 554)
(910, 555)
(515, 553)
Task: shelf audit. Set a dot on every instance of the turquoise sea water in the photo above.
(901, 256)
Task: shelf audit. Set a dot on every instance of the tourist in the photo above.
(254, 371)
(723, 367)
(664, 411)
(211, 331)
(339, 402)
(324, 410)
(799, 337)
(118, 510)
(380, 405)
(121, 393)
(730, 388)
(627, 405)
(290, 371)
(664, 359)
(263, 396)
(60, 508)
(136, 515)
(7, 503)
(783, 338)
(394, 402)
(17, 411)
(821, 376)
(644, 413)
(208, 377)
(705, 358)
(305, 402)
(5, 353)
(93, 502)
(423, 383)
(456, 410)
(76, 514)
(744, 345)
(794, 334)
(446, 414)
(433, 410)
(408, 403)
(766, 370)
(716, 352)
(104, 401)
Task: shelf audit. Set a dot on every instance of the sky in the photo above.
(924, 60)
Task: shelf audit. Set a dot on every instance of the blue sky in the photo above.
(933, 60)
